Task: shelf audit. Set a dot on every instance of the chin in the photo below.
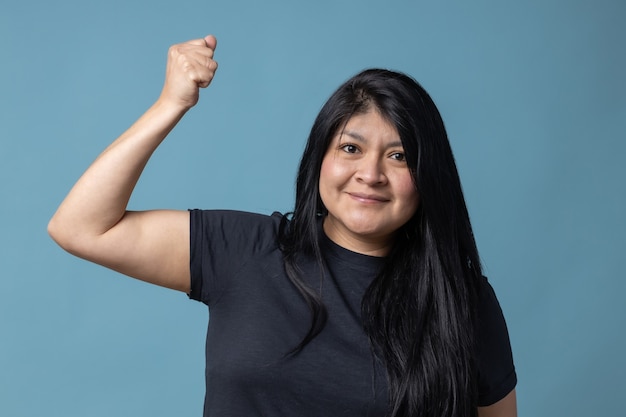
(367, 231)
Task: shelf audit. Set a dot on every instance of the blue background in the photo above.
(534, 98)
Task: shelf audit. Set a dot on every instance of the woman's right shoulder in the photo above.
(263, 229)
(236, 217)
(222, 241)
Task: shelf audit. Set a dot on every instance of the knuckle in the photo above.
(173, 51)
(186, 65)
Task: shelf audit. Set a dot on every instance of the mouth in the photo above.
(368, 198)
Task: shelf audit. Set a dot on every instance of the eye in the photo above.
(349, 148)
(398, 156)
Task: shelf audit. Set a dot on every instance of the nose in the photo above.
(371, 171)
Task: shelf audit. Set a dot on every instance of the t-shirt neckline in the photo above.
(354, 259)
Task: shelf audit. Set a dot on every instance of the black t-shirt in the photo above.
(257, 317)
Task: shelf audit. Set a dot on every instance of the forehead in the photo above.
(367, 127)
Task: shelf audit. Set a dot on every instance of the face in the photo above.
(366, 186)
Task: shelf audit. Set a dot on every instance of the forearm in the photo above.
(98, 200)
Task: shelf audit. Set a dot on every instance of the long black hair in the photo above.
(419, 312)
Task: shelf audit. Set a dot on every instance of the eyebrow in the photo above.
(361, 138)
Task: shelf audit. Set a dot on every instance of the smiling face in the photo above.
(366, 186)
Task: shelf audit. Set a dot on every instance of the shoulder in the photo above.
(491, 321)
(222, 242)
(234, 218)
(497, 375)
(232, 225)
(490, 314)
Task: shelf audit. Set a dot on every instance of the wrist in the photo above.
(173, 108)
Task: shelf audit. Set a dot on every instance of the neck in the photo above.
(363, 244)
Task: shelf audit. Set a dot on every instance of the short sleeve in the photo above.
(496, 370)
(221, 242)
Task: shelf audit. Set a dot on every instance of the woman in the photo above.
(367, 301)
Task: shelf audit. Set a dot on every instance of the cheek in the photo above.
(324, 175)
(406, 189)
(324, 170)
(325, 181)
(332, 173)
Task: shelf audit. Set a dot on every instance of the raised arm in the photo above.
(93, 223)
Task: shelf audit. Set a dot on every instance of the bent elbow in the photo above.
(62, 235)
(55, 231)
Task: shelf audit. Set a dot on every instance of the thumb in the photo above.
(210, 41)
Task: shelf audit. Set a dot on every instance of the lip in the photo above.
(368, 198)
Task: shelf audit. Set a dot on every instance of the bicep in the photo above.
(152, 246)
(506, 407)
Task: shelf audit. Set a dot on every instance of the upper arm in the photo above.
(152, 246)
(506, 407)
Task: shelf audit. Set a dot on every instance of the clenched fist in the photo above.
(190, 66)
